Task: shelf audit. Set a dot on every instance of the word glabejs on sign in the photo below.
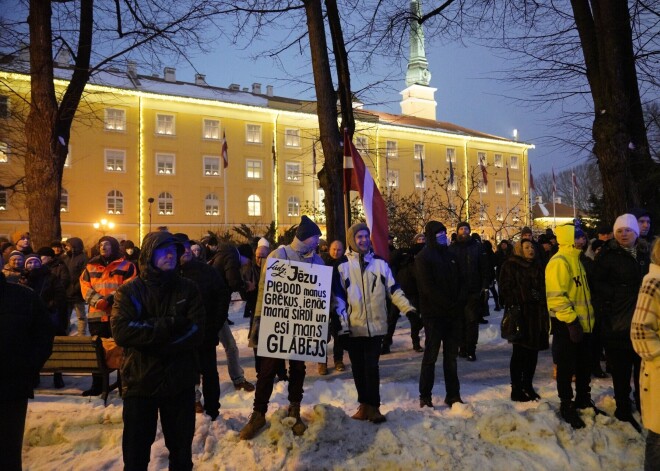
(295, 313)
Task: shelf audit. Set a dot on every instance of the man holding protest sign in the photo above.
(290, 321)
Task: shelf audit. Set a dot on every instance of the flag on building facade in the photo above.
(531, 179)
(554, 182)
(575, 185)
(508, 182)
(358, 178)
(484, 174)
(225, 156)
(421, 169)
(314, 159)
(451, 172)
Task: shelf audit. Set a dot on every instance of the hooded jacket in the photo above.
(566, 286)
(158, 318)
(361, 284)
(75, 262)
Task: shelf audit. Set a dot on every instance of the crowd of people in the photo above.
(166, 304)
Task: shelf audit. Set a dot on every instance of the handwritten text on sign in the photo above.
(296, 305)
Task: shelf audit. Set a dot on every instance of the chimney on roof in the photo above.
(234, 87)
(170, 74)
(269, 90)
(558, 199)
(539, 199)
(131, 68)
(256, 88)
(200, 79)
(246, 89)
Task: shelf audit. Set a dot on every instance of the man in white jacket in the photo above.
(361, 283)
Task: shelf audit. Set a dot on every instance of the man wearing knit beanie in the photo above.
(306, 229)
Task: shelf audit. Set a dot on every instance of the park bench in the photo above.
(81, 354)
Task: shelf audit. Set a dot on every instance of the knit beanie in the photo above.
(33, 256)
(463, 224)
(263, 242)
(306, 229)
(46, 251)
(15, 253)
(629, 221)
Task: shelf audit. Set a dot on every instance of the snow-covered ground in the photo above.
(65, 431)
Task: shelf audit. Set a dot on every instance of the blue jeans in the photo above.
(652, 459)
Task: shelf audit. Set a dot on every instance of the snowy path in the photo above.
(65, 431)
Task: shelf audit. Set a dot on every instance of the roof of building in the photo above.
(545, 210)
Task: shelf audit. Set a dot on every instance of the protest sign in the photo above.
(295, 310)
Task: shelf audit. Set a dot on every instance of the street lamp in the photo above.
(150, 201)
(104, 226)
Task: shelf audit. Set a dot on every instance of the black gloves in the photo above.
(575, 331)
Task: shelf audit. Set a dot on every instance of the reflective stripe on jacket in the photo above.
(98, 281)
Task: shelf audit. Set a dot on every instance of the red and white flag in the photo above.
(575, 185)
(358, 178)
(225, 156)
(508, 182)
(531, 179)
(554, 181)
(484, 174)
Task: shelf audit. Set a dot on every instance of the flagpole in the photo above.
(554, 199)
(506, 193)
(573, 185)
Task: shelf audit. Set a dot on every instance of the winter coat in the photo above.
(11, 274)
(49, 289)
(26, 340)
(209, 284)
(566, 286)
(617, 278)
(227, 262)
(522, 283)
(473, 267)
(58, 268)
(75, 263)
(402, 264)
(645, 336)
(360, 286)
(437, 280)
(100, 280)
(158, 318)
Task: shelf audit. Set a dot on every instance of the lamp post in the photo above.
(150, 201)
(103, 226)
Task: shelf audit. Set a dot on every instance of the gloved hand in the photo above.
(111, 299)
(575, 331)
(103, 305)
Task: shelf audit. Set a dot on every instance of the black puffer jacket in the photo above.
(617, 277)
(159, 320)
(50, 290)
(209, 284)
(522, 283)
(26, 339)
(473, 267)
(75, 261)
(227, 262)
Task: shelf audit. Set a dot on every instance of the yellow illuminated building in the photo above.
(140, 137)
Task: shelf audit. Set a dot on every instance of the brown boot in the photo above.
(374, 415)
(361, 413)
(323, 369)
(256, 423)
(294, 411)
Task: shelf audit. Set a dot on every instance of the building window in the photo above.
(64, 201)
(254, 205)
(293, 206)
(419, 183)
(293, 172)
(115, 160)
(292, 138)
(253, 133)
(515, 188)
(481, 158)
(483, 187)
(498, 161)
(392, 150)
(4, 106)
(513, 160)
(3, 200)
(165, 164)
(115, 202)
(499, 215)
(451, 155)
(499, 187)
(393, 178)
(165, 125)
(419, 152)
(362, 144)
(165, 204)
(115, 120)
(211, 166)
(211, 129)
(253, 169)
(211, 205)
(4, 152)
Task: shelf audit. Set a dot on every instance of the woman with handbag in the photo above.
(525, 323)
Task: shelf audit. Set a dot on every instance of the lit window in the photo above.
(253, 133)
(515, 188)
(293, 172)
(451, 155)
(165, 204)
(292, 138)
(362, 144)
(4, 106)
(64, 201)
(115, 202)
(293, 206)
(498, 161)
(253, 169)
(393, 178)
(211, 129)
(392, 150)
(482, 216)
(513, 161)
(165, 164)
(4, 152)
(499, 215)
(211, 166)
(481, 158)
(3, 200)
(499, 187)
(115, 160)
(165, 125)
(419, 151)
(419, 183)
(212, 205)
(115, 120)
(254, 205)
